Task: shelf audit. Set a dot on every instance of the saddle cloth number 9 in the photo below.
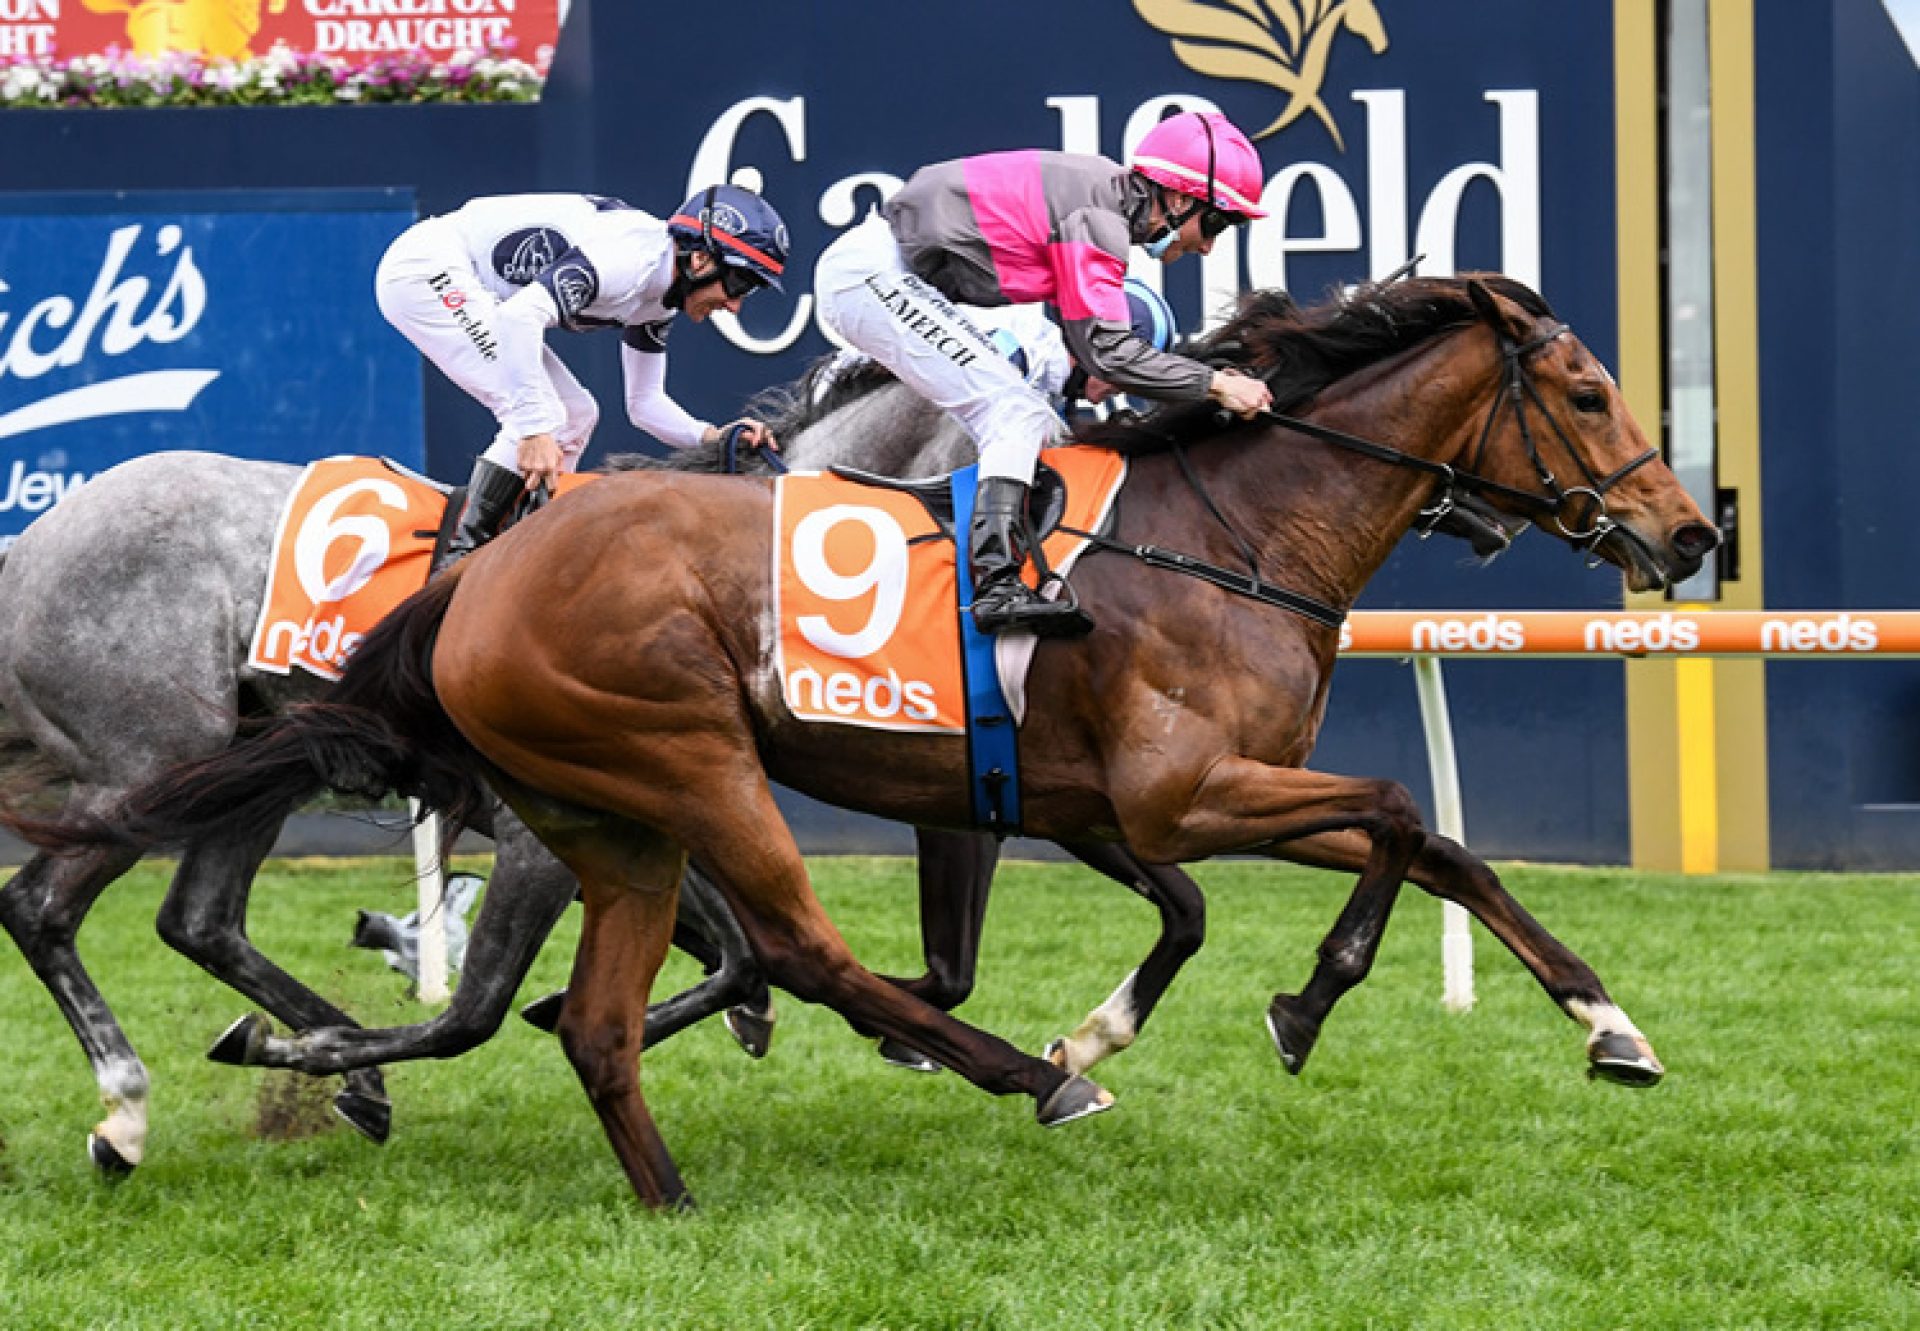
(869, 634)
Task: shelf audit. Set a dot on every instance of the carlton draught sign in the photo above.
(234, 323)
(353, 30)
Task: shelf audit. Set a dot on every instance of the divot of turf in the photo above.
(292, 1106)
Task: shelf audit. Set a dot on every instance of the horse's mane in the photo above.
(787, 409)
(1300, 350)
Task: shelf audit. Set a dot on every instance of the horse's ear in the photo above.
(1486, 306)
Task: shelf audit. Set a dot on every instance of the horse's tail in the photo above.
(382, 729)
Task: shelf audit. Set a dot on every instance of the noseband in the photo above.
(1519, 389)
(1551, 502)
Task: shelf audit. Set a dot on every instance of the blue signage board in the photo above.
(1478, 135)
(238, 322)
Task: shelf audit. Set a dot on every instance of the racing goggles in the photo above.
(739, 282)
(1215, 222)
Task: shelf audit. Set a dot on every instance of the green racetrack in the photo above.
(1427, 1170)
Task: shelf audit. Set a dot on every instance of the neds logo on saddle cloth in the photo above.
(865, 595)
(346, 552)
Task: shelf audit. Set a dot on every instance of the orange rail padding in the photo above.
(1781, 633)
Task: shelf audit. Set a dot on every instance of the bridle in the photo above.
(1550, 503)
(1519, 390)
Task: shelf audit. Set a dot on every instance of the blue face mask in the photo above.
(1160, 244)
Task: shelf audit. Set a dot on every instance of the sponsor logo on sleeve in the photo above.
(521, 256)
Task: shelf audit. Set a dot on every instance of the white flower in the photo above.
(280, 59)
(27, 83)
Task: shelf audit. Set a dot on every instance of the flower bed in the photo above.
(281, 77)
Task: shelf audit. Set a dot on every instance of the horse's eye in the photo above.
(1590, 401)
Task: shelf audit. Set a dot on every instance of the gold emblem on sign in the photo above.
(217, 29)
(1284, 44)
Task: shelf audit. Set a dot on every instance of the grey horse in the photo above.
(103, 700)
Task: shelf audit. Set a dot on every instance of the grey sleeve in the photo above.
(1092, 257)
(1110, 351)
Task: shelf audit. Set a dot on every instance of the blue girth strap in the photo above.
(993, 741)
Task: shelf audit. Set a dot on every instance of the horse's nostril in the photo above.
(1696, 540)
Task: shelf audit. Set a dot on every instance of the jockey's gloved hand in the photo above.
(746, 431)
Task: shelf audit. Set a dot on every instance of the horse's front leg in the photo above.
(1616, 1050)
(1245, 805)
(42, 908)
(955, 879)
(1116, 1023)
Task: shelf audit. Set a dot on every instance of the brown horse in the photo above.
(612, 665)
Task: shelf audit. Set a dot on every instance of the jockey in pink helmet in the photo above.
(1009, 228)
(1202, 155)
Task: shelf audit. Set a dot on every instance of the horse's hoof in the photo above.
(241, 1042)
(1623, 1060)
(899, 1055)
(753, 1031)
(109, 1162)
(1076, 1097)
(1293, 1035)
(545, 1012)
(367, 1115)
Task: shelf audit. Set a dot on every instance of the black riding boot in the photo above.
(997, 544)
(491, 492)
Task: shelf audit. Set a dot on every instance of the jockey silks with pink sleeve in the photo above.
(1019, 227)
(1014, 227)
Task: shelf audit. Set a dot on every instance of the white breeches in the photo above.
(873, 301)
(426, 288)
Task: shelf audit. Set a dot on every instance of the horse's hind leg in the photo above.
(529, 892)
(746, 846)
(42, 907)
(1115, 1024)
(735, 985)
(204, 919)
(1616, 1050)
(629, 878)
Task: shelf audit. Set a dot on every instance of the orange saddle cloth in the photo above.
(865, 596)
(348, 549)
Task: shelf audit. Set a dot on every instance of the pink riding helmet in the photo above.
(1196, 150)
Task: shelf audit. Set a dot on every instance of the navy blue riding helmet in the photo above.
(1148, 314)
(739, 229)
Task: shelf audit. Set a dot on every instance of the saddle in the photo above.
(1046, 498)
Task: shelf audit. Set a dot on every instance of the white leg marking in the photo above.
(1602, 1019)
(1107, 1030)
(123, 1090)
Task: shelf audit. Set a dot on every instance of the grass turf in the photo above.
(1426, 1171)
